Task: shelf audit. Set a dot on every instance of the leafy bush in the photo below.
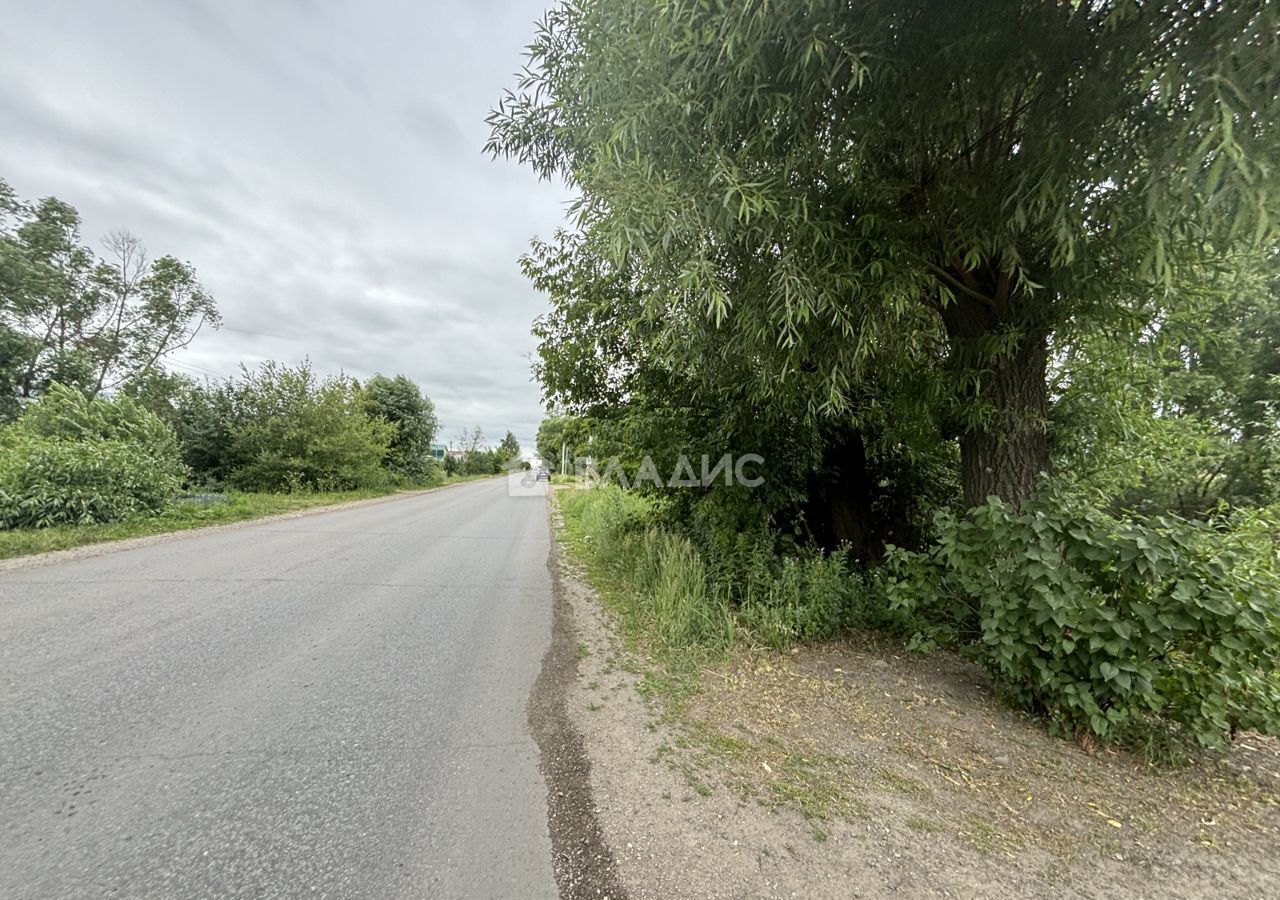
(783, 592)
(1118, 628)
(203, 421)
(811, 596)
(482, 462)
(295, 431)
(71, 460)
(430, 472)
(400, 401)
(452, 466)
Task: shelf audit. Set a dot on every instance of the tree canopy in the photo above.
(926, 199)
(400, 401)
(70, 316)
(508, 448)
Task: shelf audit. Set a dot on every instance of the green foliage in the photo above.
(70, 317)
(1113, 627)
(72, 460)
(811, 596)
(452, 465)
(481, 462)
(918, 254)
(683, 598)
(66, 414)
(295, 431)
(14, 347)
(1184, 418)
(478, 458)
(282, 428)
(400, 401)
(846, 198)
(204, 420)
(557, 433)
(163, 393)
(508, 448)
(684, 607)
(668, 592)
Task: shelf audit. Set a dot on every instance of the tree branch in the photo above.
(958, 285)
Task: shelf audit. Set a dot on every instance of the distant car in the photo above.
(544, 475)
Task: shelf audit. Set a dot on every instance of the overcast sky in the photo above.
(318, 161)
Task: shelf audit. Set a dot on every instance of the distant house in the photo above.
(459, 455)
(438, 451)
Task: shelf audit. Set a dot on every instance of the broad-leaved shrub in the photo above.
(72, 460)
(1115, 627)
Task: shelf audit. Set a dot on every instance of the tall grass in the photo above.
(663, 586)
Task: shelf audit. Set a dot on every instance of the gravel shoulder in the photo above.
(853, 769)
(583, 865)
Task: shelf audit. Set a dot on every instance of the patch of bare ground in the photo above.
(852, 769)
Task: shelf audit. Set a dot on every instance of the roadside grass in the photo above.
(656, 590)
(859, 731)
(654, 587)
(194, 511)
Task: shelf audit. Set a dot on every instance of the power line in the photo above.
(196, 369)
(258, 333)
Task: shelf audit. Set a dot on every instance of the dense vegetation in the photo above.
(286, 429)
(478, 458)
(92, 323)
(71, 459)
(95, 431)
(75, 460)
(993, 288)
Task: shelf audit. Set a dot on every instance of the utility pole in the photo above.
(564, 457)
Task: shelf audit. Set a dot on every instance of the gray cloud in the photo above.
(320, 164)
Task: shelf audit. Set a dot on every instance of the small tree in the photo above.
(451, 465)
(163, 393)
(91, 323)
(294, 430)
(508, 448)
(204, 420)
(400, 401)
(559, 434)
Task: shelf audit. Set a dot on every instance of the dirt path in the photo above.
(846, 771)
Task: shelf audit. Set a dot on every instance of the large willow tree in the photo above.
(831, 180)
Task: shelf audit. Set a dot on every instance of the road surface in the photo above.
(332, 705)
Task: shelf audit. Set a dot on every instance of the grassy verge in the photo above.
(854, 729)
(655, 587)
(675, 626)
(184, 515)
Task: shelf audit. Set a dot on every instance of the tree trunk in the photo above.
(840, 496)
(1004, 456)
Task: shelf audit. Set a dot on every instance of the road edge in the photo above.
(580, 857)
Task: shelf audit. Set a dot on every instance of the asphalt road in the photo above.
(325, 706)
